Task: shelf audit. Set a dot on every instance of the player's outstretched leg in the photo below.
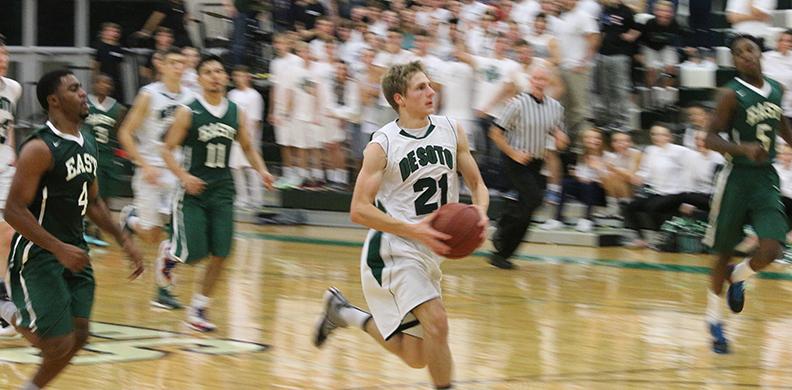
(338, 313)
(768, 251)
(163, 277)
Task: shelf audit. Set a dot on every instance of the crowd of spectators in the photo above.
(325, 98)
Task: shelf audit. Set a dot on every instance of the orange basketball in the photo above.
(460, 221)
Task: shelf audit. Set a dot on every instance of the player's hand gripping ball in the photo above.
(461, 222)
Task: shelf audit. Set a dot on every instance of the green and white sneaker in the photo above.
(165, 300)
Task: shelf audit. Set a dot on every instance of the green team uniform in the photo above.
(204, 224)
(113, 173)
(747, 192)
(47, 294)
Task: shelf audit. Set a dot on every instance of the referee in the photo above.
(522, 133)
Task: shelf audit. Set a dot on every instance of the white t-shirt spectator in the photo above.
(753, 27)
(251, 103)
(471, 13)
(591, 7)
(305, 83)
(491, 75)
(701, 170)
(189, 80)
(779, 67)
(317, 47)
(524, 13)
(480, 42)
(662, 168)
(785, 176)
(280, 68)
(571, 29)
(458, 80)
(585, 168)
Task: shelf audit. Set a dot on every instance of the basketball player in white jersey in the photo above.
(409, 170)
(141, 135)
(10, 93)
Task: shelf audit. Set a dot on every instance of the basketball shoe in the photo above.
(736, 295)
(331, 319)
(127, 212)
(6, 330)
(196, 320)
(163, 266)
(719, 343)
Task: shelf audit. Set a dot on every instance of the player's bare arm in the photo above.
(173, 139)
(784, 130)
(466, 165)
(98, 212)
(132, 121)
(252, 155)
(35, 160)
(362, 210)
(722, 122)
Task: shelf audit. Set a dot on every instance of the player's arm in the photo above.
(508, 90)
(35, 160)
(98, 213)
(722, 120)
(466, 165)
(252, 155)
(362, 210)
(784, 130)
(132, 121)
(173, 139)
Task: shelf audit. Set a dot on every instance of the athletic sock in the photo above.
(742, 271)
(29, 385)
(354, 316)
(7, 311)
(714, 308)
(317, 174)
(199, 301)
(554, 187)
(341, 176)
(134, 222)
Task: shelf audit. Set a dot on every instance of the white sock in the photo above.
(331, 175)
(7, 311)
(302, 173)
(554, 187)
(29, 385)
(288, 172)
(199, 301)
(742, 271)
(714, 308)
(354, 316)
(134, 222)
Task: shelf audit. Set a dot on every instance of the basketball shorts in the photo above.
(203, 225)
(282, 134)
(153, 201)
(47, 295)
(305, 135)
(745, 196)
(334, 131)
(397, 276)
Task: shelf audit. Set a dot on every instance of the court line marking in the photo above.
(567, 260)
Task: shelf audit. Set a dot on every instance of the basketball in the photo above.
(460, 221)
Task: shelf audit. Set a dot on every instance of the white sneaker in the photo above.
(196, 320)
(551, 224)
(584, 225)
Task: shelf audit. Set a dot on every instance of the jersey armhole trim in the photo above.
(453, 130)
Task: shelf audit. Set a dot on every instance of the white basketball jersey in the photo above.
(162, 108)
(420, 173)
(10, 92)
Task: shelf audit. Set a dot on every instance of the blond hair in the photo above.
(396, 80)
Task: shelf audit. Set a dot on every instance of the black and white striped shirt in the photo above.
(527, 122)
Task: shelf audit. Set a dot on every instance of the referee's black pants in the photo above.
(516, 217)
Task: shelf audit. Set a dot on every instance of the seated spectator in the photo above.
(701, 167)
(697, 118)
(584, 184)
(622, 165)
(751, 17)
(783, 166)
(777, 64)
(662, 166)
(659, 40)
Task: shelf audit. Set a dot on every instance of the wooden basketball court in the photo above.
(568, 318)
